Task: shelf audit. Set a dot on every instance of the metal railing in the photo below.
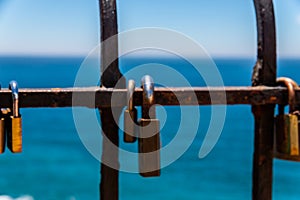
(263, 96)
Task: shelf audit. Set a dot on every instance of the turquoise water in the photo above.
(55, 164)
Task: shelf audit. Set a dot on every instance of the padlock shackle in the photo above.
(130, 92)
(291, 85)
(13, 86)
(148, 88)
(283, 80)
(148, 97)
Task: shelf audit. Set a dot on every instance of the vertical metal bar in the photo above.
(109, 186)
(264, 74)
(109, 50)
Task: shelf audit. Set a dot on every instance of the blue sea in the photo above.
(56, 165)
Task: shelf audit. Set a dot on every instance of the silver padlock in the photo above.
(130, 115)
(149, 136)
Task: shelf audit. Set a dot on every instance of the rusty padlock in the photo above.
(130, 115)
(286, 125)
(149, 136)
(14, 122)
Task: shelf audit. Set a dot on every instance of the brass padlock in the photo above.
(130, 115)
(149, 136)
(2, 133)
(14, 126)
(4, 115)
(286, 126)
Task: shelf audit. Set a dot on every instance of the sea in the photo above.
(56, 165)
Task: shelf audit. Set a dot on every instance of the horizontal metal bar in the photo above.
(95, 97)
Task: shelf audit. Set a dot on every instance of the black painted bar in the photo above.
(109, 186)
(264, 74)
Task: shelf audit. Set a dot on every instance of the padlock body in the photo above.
(286, 134)
(149, 148)
(14, 135)
(130, 118)
(2, 135)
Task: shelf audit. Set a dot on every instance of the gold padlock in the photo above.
(286, 126)
(14, 127)
(149, 136)
(2, 130)
(130, 115)
(2, 136)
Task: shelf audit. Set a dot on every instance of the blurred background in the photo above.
(44, 43)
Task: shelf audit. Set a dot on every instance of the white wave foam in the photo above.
(25, 197)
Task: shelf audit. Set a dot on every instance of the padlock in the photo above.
(130, 115)
(149, 136)
(4, 117)
(14, 124)
(286, 126)
(2, 133)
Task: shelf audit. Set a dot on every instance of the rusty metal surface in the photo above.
(109, 45)
(264, 73)
(266, 42)
(109, 186)
(101, 97)
(283, 156)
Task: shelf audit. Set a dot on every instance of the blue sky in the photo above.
(70, 27)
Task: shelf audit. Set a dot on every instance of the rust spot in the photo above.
(56, 89)
(273, 98)
(262, 159)
(54, 105)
